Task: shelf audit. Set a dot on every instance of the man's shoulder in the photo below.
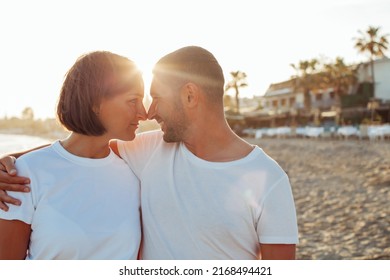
(266, 162)
(150, 134)
(141, 139)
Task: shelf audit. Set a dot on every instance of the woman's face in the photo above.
(120, 114)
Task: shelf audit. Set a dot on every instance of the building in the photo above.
(381, 76)
(283, 104)
(365, 103)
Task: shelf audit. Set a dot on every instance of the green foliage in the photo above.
(360, 99)
(372, 42)
(28, 113)
(238, 81)
(339, 76)
(48, 128)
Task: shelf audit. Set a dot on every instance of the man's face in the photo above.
(168, 111)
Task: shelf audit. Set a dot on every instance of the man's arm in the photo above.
(9, 181)
(114, 147)
(277, 251)
(14, 239)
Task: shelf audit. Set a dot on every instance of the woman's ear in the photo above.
(96, 110)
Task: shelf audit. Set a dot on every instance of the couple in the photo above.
(204, 193)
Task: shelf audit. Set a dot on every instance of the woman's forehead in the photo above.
(125, 79)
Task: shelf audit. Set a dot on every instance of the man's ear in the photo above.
(190, 95)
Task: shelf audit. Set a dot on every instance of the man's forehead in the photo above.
(158, 87)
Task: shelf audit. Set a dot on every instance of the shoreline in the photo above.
(49, 136)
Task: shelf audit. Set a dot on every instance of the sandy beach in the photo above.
(341, 190)
(342, 195)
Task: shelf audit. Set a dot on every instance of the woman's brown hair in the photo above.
(95, 75)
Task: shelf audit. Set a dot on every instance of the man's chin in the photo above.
(169, 139)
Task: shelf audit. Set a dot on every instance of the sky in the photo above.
(40, 40)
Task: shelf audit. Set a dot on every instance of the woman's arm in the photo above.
(14, 239)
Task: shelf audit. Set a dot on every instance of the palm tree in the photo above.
(339, 76)
(238, 81)
(227, 102)
(374, 44)
(28, 113)
(305, 79)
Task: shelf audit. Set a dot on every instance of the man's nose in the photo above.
(152, 111)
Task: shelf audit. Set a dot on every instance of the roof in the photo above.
(285, 87)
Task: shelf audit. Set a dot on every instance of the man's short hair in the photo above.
(192, 64)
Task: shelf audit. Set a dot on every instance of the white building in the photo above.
(284, 100)
(381, 76)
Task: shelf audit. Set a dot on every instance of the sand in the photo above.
(342, 195)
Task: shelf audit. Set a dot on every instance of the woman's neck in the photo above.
(86, 146)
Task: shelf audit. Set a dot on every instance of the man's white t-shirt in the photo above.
(196, 209)
(78, 208)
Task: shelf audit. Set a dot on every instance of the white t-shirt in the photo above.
(196, 209)
(78, 208)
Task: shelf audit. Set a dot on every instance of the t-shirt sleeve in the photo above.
(137, 153)
(24, 212)
(278, 222)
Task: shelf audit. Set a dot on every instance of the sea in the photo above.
(10, 143)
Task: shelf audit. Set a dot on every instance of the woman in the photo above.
(84, 200)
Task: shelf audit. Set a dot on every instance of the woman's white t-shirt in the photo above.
(78, 208)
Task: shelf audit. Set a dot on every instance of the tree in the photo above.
(238, 81)
(305, 79)
(374, 44)
(28, 113)
(227, 102)
(339, 76)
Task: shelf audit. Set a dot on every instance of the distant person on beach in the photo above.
(205, 192)
(84, 200)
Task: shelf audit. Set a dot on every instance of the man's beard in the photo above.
(176, 126)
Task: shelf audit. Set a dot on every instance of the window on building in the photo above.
(292, 101)
(275, 103)
(283, 102)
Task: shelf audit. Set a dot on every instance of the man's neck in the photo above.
(217, 143)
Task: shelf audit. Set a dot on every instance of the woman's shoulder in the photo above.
(38, 154)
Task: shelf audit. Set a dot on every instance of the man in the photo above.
(205, 192)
